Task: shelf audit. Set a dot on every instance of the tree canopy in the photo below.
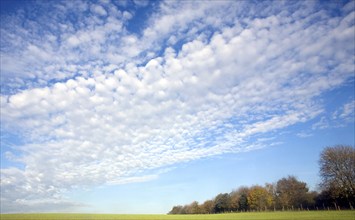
(291, 193)
(337, 170)
(257, 198)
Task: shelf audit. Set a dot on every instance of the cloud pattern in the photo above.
(95, 102)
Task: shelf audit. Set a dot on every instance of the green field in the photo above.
(305, 215)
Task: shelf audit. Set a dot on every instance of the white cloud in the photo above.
(344, 114)
(348, 110)
(141, 3)
(131, 105)
(98, 9)
(304, 134)
(323, 123)
(134, 179)
(341, 117)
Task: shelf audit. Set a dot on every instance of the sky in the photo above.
(137, 106)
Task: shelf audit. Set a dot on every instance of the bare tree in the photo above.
(337, 169)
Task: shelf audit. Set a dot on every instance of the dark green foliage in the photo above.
(222, 203)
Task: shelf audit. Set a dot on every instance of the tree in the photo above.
(207, 207)
(222, 203)
(194, 208)
(243, 199)
(291, 193)
(310, 200)
(185, 209)
(234, 201)
(259, 198)
(337, 170)
(176, 210)
(271, 188)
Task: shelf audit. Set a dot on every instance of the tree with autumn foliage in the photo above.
(207, 207)
(259, 198)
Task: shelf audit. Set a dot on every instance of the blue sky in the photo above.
(137, 106)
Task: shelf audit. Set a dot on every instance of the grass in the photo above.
(305, 215)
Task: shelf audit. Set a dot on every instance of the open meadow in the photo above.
(305, 215)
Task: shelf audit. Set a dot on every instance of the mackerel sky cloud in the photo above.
(111, 93)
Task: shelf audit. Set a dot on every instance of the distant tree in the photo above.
(286, 193)
(337, 170)
(243, 198)
(324, 200)
(259, 198)
(310, 201)
(222, 203)
(176, 210)
(234, 201)
(185, 209)
(291, 193)
(194, 208)
(207, 207)
(271, 188)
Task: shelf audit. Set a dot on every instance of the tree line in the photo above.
(337, 190)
